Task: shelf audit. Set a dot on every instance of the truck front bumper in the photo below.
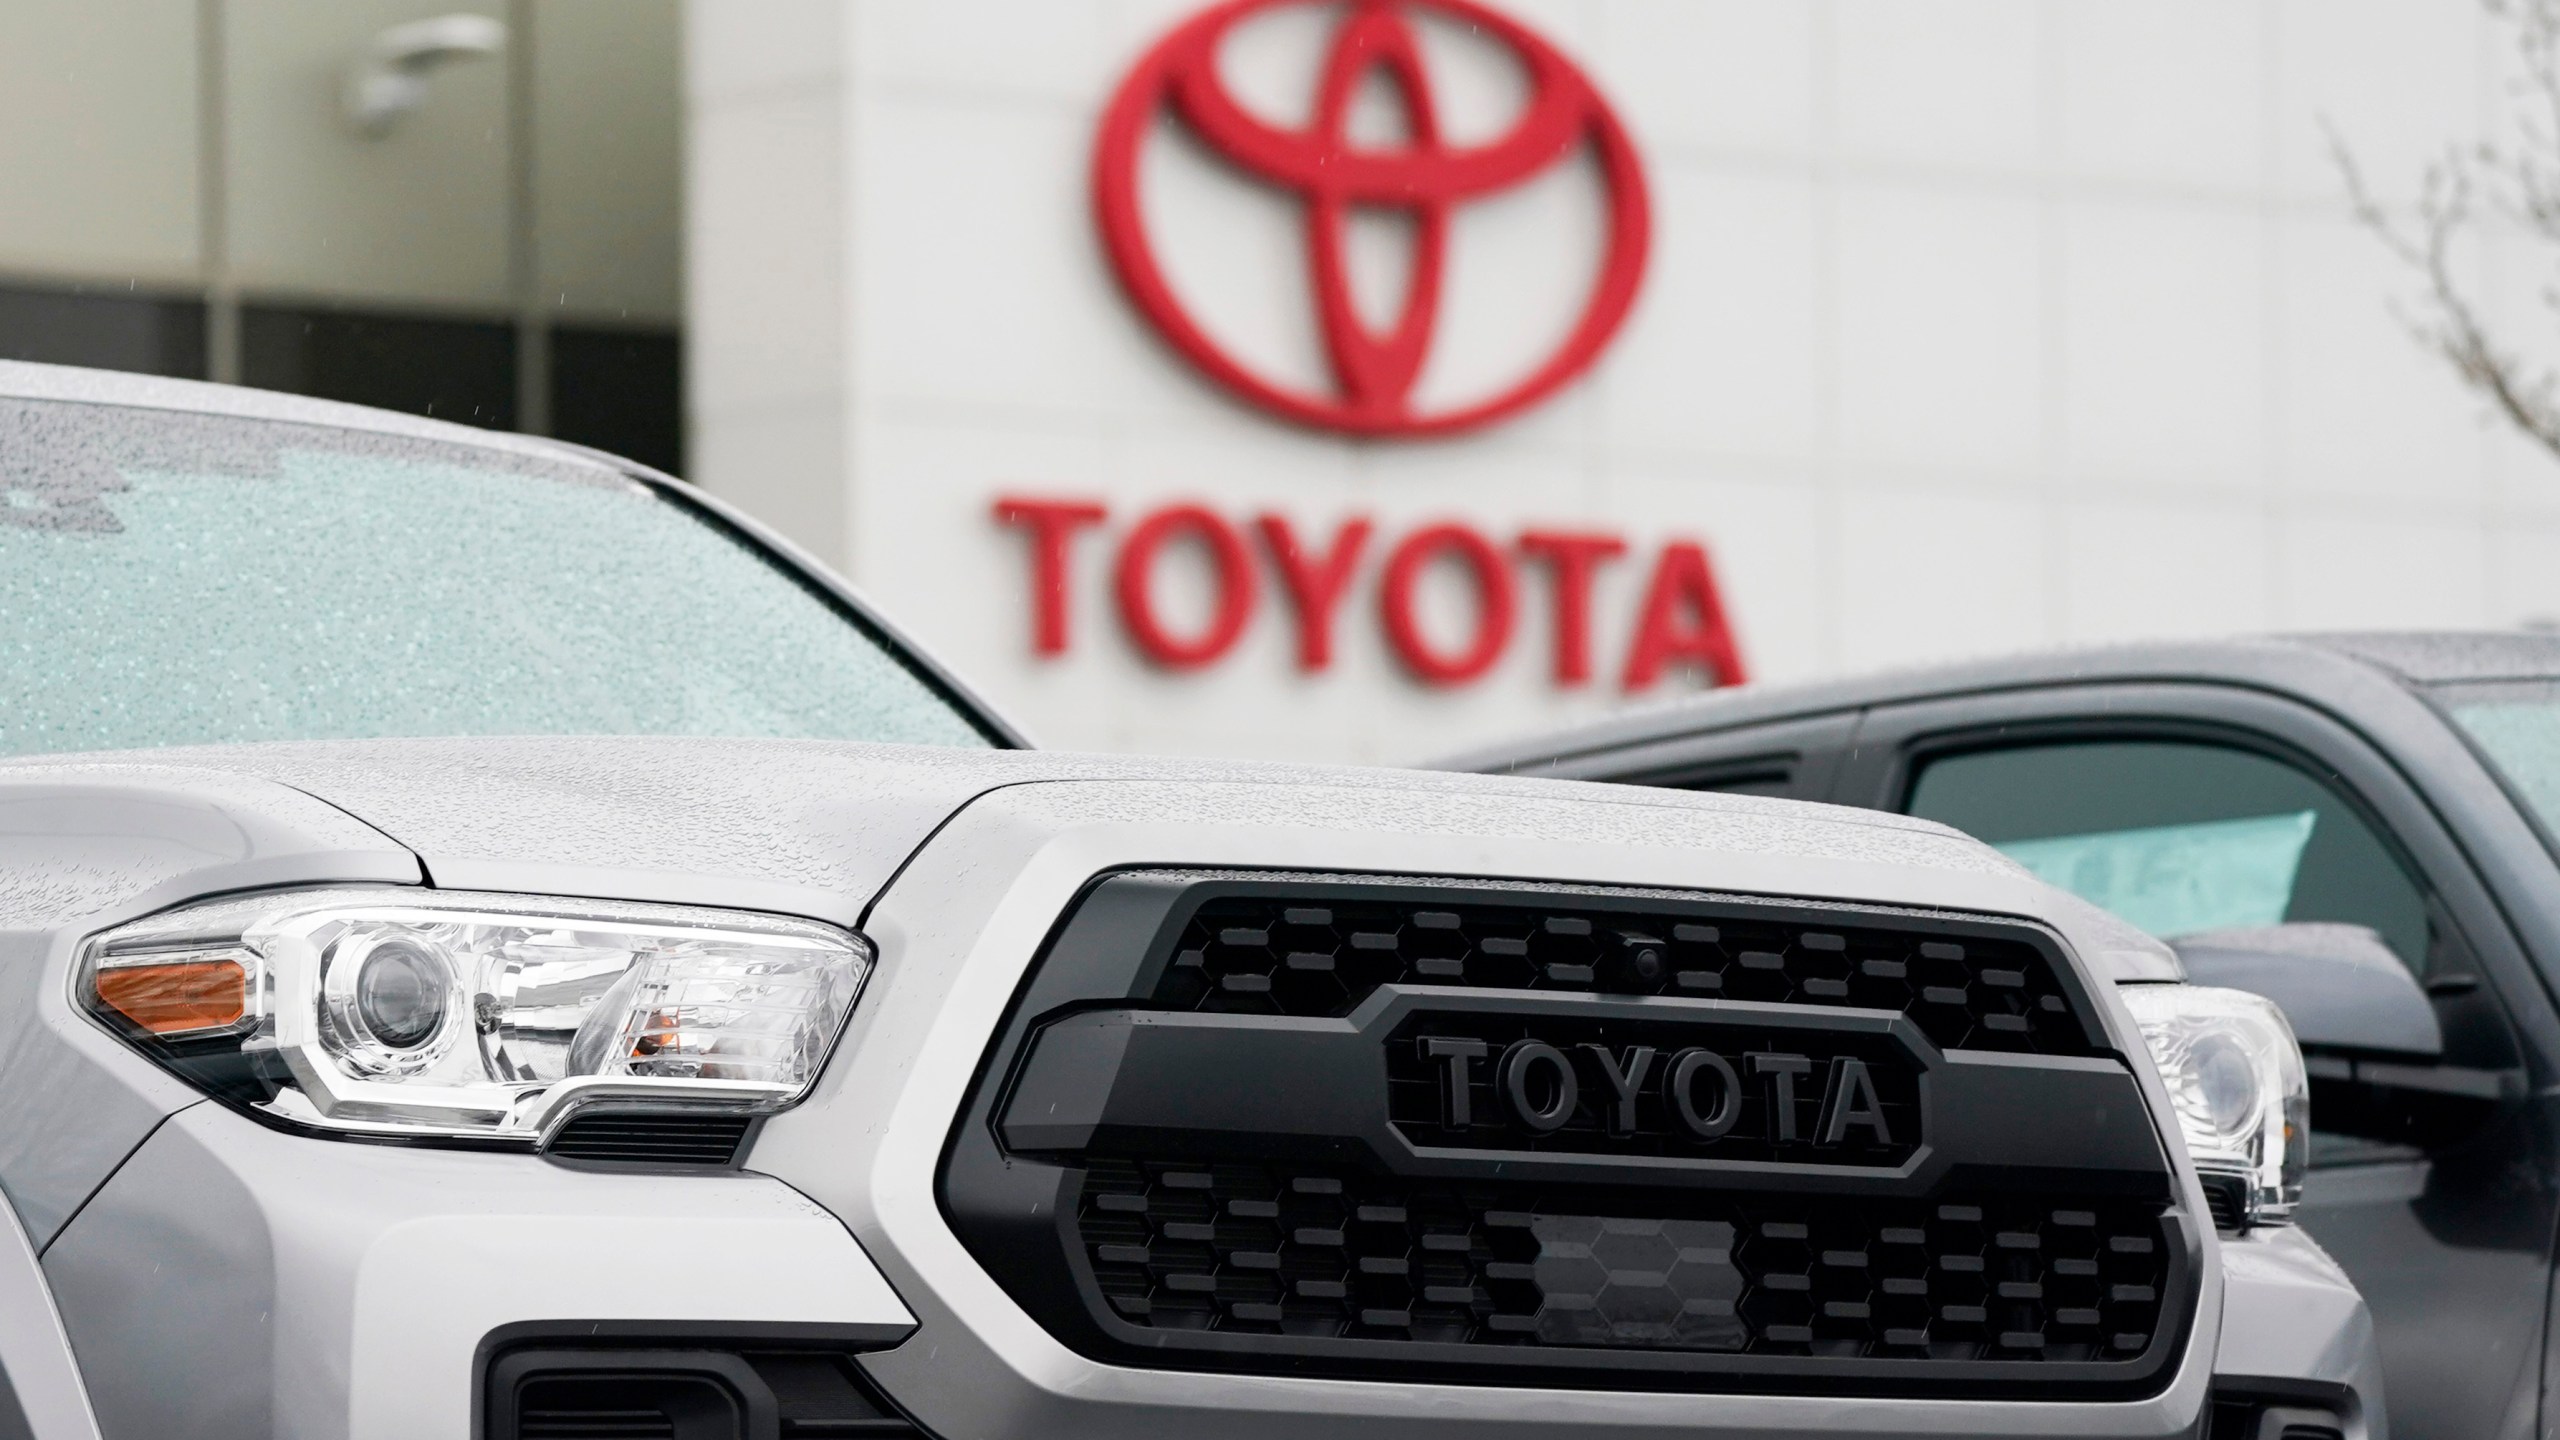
(234, 1282)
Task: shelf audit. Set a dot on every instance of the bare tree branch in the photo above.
(2516, 179)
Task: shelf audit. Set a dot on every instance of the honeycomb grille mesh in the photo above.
(1288, 956)
(1285, 1251)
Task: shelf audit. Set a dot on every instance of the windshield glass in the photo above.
(2517, 724)
(178, 579)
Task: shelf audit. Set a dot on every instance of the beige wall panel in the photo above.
(608, 125)
(417, 216)
(98, 139)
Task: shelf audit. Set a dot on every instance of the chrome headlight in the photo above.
(2236, 1079)
(419, 1012)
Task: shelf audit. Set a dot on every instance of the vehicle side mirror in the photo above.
(2372, 1041)
(2339, 985)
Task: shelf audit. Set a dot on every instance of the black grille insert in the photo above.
(1263, 1122)
(1260, 1250)
(1296, 955)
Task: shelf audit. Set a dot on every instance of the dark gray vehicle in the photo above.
(2359, 827)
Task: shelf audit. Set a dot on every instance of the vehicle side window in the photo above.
(2181, 836)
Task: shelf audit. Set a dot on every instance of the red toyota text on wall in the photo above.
(1679, 624)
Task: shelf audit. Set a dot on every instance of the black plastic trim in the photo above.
(1016, 1212)
(2238, 1407)
(749, 1399)
(1135, 1083)
(704, 1346)
(658, 1140)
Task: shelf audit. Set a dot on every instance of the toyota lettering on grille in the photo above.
(1704, 1080)
(1541, 1088)
(1436, 1081)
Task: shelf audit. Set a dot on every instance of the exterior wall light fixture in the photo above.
(390, 79)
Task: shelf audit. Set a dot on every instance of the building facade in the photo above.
(1965, 325)
(1361, 379)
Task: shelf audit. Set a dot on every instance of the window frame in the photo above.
(1802, 754)
(2164, 730)
(1895, 740)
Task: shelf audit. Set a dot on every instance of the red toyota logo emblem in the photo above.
(1425, 177)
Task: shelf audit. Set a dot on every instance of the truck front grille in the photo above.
(1518, 1135)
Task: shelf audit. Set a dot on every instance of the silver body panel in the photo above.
(42, 1396)
(205, 1277)
(84, 847)
(292, 1286)
(257, 1283)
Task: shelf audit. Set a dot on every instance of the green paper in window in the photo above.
(2178, 879)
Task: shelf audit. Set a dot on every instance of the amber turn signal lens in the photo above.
(180, 997)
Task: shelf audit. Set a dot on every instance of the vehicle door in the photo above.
(2196, 807)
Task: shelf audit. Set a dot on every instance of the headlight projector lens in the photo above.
(401, 994)
(385, 992)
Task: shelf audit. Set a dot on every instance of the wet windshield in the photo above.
(175, 579)
(2517, 724)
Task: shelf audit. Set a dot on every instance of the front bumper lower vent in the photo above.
(671, 1390)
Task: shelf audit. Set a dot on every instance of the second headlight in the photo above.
(2236, 1080)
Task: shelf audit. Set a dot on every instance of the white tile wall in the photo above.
(1944, 85)
(2165, 93)
(1927, 574)
(2397, 79)
(1941, 299)
(2178, 566)
(1733, 76)
(1725, 355)
(766, 253)
(2162, 313)
(2363, 409)
(2385, 568)
(2528, 584)
(1972, 324)
(733, 52)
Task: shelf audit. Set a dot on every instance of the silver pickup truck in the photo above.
(494, 945)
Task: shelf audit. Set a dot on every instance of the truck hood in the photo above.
(814, 827)
(818, 828)
(808, 828)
